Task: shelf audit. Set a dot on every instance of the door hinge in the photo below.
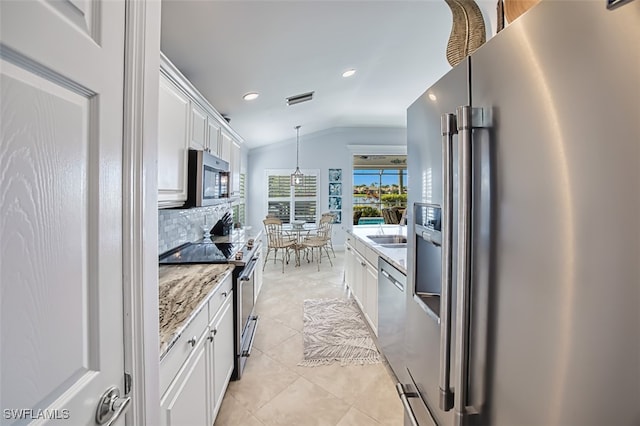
(128, 383)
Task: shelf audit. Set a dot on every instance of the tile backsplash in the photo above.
(179, 226)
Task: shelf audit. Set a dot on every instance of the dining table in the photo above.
(300, 230)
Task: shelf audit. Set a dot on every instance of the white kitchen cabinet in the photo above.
(370, 284)
(213, 136)
(222, 355)
(225, 147)
(199, 128)
(349, 265)
(187, 120)
(173, 144)
(195, 372)
(358, 281)
(362, 279)
(185, 402)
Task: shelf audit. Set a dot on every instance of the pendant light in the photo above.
(296, 176)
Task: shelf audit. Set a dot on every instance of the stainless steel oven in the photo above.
(246, 322)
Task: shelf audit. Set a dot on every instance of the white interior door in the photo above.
(61, 83)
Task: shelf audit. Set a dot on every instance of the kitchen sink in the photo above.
(394, 245)
(388, 239)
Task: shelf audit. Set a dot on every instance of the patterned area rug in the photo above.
(334, 330)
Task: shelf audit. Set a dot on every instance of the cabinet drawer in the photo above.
(371, 255)
(182, 348)
(223, 292)
(358, 245)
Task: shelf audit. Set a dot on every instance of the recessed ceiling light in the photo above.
(432, 97)
(349, 73)
(250, 96)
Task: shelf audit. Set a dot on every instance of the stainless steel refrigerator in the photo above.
(523, 293)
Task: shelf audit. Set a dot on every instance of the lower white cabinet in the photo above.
(370, 283)
(185, 402)
(222, 354)
(362, 279)
(193, 397)
(352, 270)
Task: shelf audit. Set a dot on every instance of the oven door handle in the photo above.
(248, 270)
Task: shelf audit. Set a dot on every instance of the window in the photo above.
(239, 211)
(379, 188)
(288, 202)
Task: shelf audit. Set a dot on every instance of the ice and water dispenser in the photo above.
(428, 250)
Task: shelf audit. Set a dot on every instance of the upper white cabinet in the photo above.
(199, 128)
(173, 143)
(213, 136)
(225, 147)
(187, 120)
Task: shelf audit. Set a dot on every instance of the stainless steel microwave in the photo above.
(208, 179)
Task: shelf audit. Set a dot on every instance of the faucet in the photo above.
(381, 230)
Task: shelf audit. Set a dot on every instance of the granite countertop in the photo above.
(183, 291)
(397, 256)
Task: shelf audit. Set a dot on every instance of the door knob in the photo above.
(111, 406)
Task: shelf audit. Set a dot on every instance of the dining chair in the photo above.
(333, 220)
(390, 216)
(277, 239)
(320, 240)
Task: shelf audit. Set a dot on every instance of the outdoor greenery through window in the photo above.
(378, 186)
(288, 202)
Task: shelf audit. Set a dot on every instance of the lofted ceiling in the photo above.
(285, 48)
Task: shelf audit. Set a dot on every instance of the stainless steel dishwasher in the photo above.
(391, 315)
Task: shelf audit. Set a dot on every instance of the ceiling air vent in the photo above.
(300, 98)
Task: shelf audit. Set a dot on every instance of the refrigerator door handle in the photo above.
(464, 256)
(468, 118)
(448, 129)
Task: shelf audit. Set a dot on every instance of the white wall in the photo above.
(322, 150)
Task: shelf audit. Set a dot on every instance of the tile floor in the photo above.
(275, 391)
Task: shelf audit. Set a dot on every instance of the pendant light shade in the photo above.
(296, 176)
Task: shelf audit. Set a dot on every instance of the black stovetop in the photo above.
(202, 252)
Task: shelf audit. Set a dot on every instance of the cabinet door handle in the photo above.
(192, 341)
(224, 294)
